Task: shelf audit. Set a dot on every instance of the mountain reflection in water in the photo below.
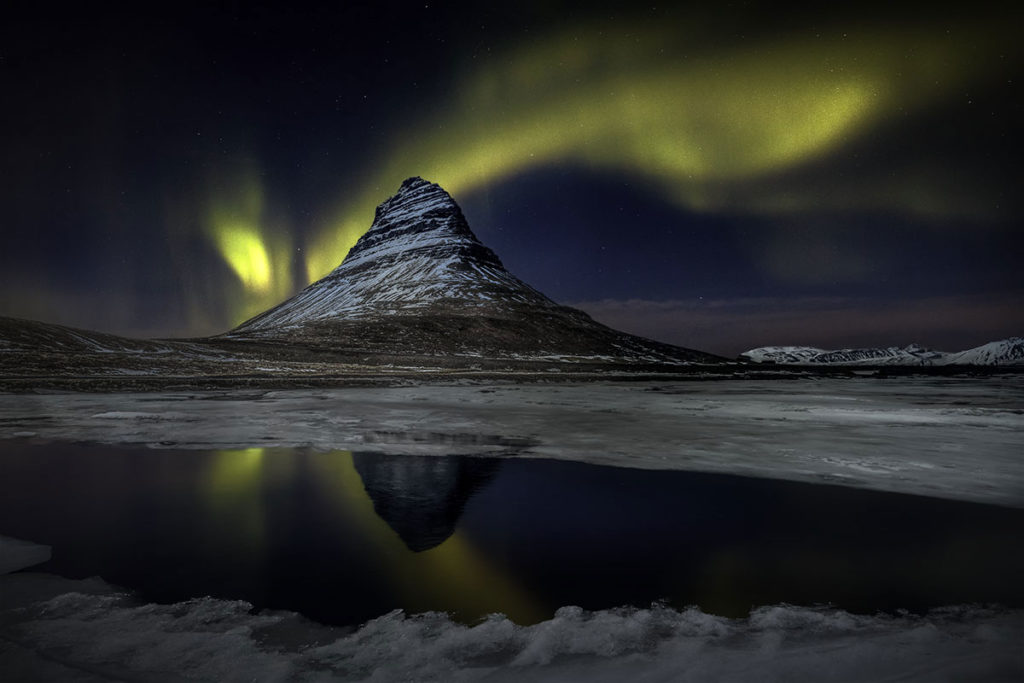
(343, 537)
(422, 497)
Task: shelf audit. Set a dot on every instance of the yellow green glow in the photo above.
(700, 124)
(260, 257)
(233, 490)
(243, 249)
(232, 469)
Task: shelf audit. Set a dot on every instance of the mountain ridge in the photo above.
(1008, 351)
(418, 297)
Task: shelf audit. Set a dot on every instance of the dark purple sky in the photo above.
(759, 174)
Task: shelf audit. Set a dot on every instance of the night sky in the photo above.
(722, 179)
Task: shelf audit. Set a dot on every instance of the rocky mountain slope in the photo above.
(418, 296)
(1005, 352)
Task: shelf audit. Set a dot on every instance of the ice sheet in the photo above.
(959, 438)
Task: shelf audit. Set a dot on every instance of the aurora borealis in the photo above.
(719, 178)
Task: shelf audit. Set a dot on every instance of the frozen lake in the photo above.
(826, 529)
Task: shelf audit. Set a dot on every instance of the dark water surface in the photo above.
(344, 537)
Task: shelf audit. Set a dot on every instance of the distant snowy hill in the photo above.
(1006, 352)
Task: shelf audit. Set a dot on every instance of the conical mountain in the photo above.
(418, 254)
(419, 283)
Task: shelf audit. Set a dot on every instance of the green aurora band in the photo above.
(710, 126)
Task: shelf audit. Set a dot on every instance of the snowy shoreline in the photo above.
(60, 629)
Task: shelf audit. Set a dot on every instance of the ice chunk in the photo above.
(16, 554)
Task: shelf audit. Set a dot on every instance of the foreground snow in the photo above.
(958, 438)
(57, 629)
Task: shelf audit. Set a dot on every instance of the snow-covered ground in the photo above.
(957, 438)
(57, 629)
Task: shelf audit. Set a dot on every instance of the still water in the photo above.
(343, 537)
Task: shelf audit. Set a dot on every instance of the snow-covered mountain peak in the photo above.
(420, 215)
(416, 195)
(419, 253)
